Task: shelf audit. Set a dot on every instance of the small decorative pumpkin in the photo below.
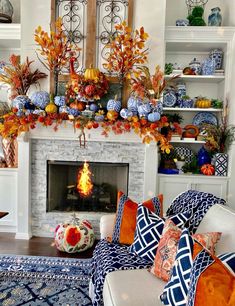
(133, 103)
(144, 109)
(112, 115)
(40, 98)
(203, 103)
(78, 105)
(94, 107)
(60, 100)
(153, 117)
(114, 104)
(126, 113)
(51, 108)
(208, 169)
(91, 73)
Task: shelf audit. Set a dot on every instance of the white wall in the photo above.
(16, 7)
(177, 9)
(151, 15)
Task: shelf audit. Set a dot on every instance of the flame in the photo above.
(84, 185)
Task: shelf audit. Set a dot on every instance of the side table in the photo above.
(73, 237)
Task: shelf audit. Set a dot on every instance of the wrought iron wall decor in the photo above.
(73, 14)
(192, 3)
(109, 13)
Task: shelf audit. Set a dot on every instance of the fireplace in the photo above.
(106, 179)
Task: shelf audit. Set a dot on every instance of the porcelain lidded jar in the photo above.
(217, 56)
(195, 65)
(215, 18)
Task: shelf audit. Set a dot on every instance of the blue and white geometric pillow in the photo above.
(148, 232)
(176, 291)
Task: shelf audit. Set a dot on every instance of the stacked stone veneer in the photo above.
(43, 223)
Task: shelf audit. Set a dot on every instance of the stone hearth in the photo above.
(43, 144)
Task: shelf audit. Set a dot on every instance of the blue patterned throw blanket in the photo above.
(110, 257)
(29, 280)
(196, 203)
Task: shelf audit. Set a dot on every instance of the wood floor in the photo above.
(36, 246)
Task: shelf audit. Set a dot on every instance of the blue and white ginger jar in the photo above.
(20, 101)
(195, 66)
(41, 99)
(215, 18)
(217, 56)
(181, 90)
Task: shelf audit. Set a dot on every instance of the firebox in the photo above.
(64, 184)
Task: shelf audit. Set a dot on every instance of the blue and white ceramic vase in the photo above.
(208, 67)
(215, 18)
(203, 157)
(221, 164)
(195, 65)
(20, 101)
(217, 56)
(181, 90)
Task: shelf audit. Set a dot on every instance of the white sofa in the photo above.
(139, 287)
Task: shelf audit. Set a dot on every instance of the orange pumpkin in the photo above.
(91, 73)
(207, 169)
(112, 115)
(78, 105)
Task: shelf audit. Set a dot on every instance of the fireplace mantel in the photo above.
(148, 159)
(66, 131)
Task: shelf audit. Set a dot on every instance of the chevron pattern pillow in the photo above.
(176, 291)
(149, 230)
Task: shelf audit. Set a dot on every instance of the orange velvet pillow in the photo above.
(167, 248)
(125, 223)
(215, 286)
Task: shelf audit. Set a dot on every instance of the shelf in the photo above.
(195, 176)
(10, 35)
(199, 38)
(198, 78)
(184, 109)
(188, 141)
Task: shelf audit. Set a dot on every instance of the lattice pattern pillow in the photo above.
(176, 291)
(149, 231)
(125, 223)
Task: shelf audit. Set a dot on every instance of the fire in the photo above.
(84, 185)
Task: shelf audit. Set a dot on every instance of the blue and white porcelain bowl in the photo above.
(41, 99)
(185, 103)
(182, 22)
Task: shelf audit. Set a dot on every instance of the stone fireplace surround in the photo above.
(43, 143)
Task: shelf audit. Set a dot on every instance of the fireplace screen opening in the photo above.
(79, 186)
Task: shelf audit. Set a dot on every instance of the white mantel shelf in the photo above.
(66, 132)
(10, 35)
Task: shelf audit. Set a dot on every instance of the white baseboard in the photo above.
(23, 236)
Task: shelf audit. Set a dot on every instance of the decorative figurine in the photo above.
(6, 11)
(215, 18)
